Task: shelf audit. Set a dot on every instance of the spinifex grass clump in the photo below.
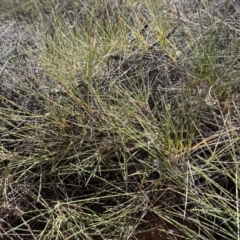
(118, 125)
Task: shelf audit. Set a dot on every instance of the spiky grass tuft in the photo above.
(121, 121)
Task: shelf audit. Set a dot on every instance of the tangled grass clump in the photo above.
(121, 121)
